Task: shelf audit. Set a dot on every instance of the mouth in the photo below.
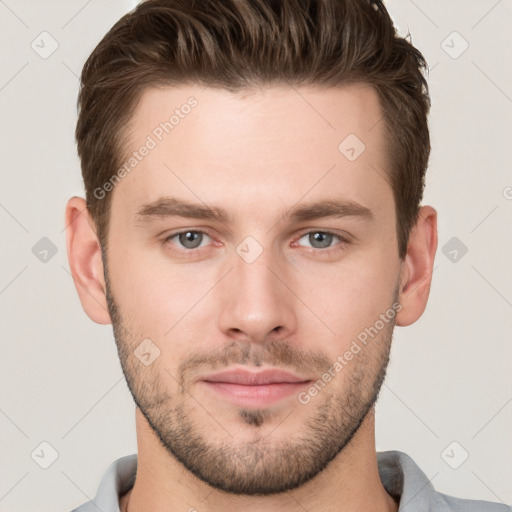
(255, 389)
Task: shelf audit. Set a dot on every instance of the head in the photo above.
(253, 173)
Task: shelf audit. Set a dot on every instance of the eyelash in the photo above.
(343, 242)
(340, 246)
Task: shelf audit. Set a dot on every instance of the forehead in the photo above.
(274, 143)
(270, 113)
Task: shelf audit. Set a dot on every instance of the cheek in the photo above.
(153, 296)
(347, 296)
(172, 306)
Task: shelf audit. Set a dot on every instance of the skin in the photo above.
(258, 156)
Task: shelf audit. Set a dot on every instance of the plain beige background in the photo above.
(449, 378)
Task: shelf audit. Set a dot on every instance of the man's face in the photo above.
(268, 286)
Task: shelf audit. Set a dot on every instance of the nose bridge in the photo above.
(255, 301)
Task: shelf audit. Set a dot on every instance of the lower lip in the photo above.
(255, 395)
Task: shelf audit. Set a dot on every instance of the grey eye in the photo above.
(319, 239)
(190, 239)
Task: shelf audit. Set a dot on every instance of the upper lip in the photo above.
(270, 376)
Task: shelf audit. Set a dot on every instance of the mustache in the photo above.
(276, 353)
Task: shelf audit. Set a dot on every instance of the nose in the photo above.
(256, 302)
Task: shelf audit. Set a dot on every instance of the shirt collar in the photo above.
(407, 484)
(400, 476)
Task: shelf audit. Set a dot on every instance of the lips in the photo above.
(244, 388)
(247, 378)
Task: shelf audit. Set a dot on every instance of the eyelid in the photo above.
(341, 234)
(174, 234)
(183, 252)
(344, 239)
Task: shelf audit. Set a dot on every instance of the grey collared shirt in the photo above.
(400, 476)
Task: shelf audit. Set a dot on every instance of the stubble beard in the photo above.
(271, 463)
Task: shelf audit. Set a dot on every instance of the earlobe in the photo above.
(85, 261)
(417, 267)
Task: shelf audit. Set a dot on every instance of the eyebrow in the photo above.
(173, 207)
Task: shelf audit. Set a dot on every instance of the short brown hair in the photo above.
(241, 44)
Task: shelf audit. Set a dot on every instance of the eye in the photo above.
(188, 239)
(321, 239)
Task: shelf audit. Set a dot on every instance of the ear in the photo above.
(417, 267)
(85, 262)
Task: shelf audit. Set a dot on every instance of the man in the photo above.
(253, 231)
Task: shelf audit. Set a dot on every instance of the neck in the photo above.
(349, 483)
